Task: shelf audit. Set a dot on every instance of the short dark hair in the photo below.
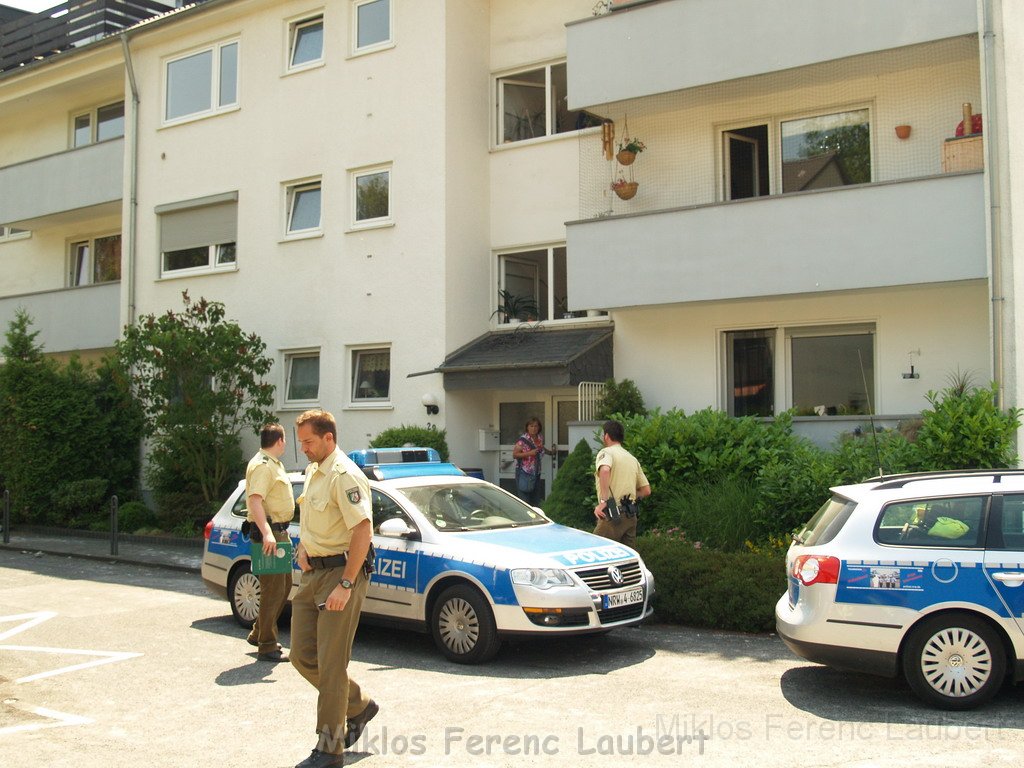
(322, 422)
(534, 420)
(270, 434)
(614, 430)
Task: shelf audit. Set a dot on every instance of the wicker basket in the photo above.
(625, 157)
(626, 191)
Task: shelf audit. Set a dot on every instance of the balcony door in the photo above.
(745, 162)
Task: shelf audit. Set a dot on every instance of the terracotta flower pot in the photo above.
(627, 190)
(903, 131)
(625, 157)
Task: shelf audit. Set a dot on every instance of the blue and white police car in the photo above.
(921, 574)
(458, 557)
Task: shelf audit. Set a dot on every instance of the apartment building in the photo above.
(412, 203)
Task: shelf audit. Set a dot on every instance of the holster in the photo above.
(368, 563)
(628, 506)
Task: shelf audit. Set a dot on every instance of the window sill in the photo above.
(196, 273)
(185, 119)
(369, 407)
(318, 64)
(298, 407)
(387, 45)
(508, 145)
(311, 235)
(370, 225)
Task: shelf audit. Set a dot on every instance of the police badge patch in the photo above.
(353, 496)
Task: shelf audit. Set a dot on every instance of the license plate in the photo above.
(622, 598)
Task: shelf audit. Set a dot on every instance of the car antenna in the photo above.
(871, 415)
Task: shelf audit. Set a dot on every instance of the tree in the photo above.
(199, 379)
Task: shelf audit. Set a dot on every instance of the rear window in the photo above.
(826, 523)
(943, 522)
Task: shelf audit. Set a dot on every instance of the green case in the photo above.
(279, 562)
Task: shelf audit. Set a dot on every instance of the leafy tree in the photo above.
(850, 143)
(421, 437)
(621, 399)
(199, 379)
(573, 494)
(964, 429)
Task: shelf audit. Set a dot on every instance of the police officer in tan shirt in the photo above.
(620, 483)
(268, 494)
(334, 539)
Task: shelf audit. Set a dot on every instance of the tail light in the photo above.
(207, 530)
(816, 569)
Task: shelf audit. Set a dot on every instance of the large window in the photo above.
(306, 42)
(371, 25)
(202, 83)
(95, 260)
(303, 209)
(198, 235)
(533, 103)
(100, 124)
(371, 195)
(825, 371)
(302, 377)
(371, 375)
(532, 285)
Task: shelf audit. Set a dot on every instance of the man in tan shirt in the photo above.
(268, 494)
(620, 483)
(334, 539)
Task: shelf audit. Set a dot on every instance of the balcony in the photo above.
(70, 319)
(921, 230)
(677, 44)
(70, 24)
(65, 187)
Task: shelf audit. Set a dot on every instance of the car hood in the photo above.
(551, 545)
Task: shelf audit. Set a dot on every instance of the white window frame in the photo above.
(72, 259)
(213, 263)
(353, 361)
(865, 328)
(288, 356)
(94, 123)
(293, 27)
(292, 190)
(8, 234)
(373, 47)
(216, 108)
(378, 221)
(498, 80)
(545, 283)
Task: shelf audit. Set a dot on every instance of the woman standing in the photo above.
(527, 452)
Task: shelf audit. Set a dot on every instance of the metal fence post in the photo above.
(113, 525)
(7, 516)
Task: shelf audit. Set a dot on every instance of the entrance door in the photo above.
(565, 409)
(512, 418)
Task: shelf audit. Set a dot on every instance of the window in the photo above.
(828, 371)
(302, 377)
(371, 375)
(1007, 528)
(99, 124)
(306, 43)
(13, 233)
(94, 261)
(534, 103)
(372, 197)
(371, 25)
(944, 522)
(532, 285)
(303, 208)
(198, 235)
(201, 83)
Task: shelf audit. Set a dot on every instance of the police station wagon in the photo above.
(921, 574)
(458, 557)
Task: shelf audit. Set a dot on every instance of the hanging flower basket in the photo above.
(625, 157)
(625, 189)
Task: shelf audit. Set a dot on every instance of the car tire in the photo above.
(462, 624)
(244, 594)
(954, 661)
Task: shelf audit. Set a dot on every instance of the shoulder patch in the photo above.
(354, 496)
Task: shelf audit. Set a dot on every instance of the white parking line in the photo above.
(55, 720)
(32, 620)
(106, 658)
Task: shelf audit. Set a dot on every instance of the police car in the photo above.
(458, 557)
(921, 574)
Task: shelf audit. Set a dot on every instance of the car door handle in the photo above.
(1010, 579)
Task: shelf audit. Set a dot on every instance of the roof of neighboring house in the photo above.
(798, 175)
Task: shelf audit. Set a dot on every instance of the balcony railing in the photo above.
(70, 319)
(68, 24)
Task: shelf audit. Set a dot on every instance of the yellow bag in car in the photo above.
(948, 528)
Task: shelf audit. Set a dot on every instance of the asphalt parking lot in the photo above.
(112, 664)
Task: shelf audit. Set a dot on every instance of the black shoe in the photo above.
(273, 656)
(358, 723)
(318, 759)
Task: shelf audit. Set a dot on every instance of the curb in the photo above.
(102, 558)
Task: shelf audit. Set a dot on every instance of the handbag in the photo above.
(525, 481)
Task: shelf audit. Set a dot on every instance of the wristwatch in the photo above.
(346, 584)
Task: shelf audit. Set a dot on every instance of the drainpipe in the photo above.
(133, 174)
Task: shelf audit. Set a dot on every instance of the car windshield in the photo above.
(471, 507)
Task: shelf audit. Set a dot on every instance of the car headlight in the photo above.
(541, 578)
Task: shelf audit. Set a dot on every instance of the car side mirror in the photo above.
(397, 528)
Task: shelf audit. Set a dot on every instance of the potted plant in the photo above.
(625, 189)
(629, 149)
(514, 307)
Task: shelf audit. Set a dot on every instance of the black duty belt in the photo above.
(279, 526)
(331, 561)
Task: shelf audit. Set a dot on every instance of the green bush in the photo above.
(573, 494)
(707, 588)
(965, 429)
(620, 400)
(421, 437)
(719, 515)
(80, 503)
(135, 516)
